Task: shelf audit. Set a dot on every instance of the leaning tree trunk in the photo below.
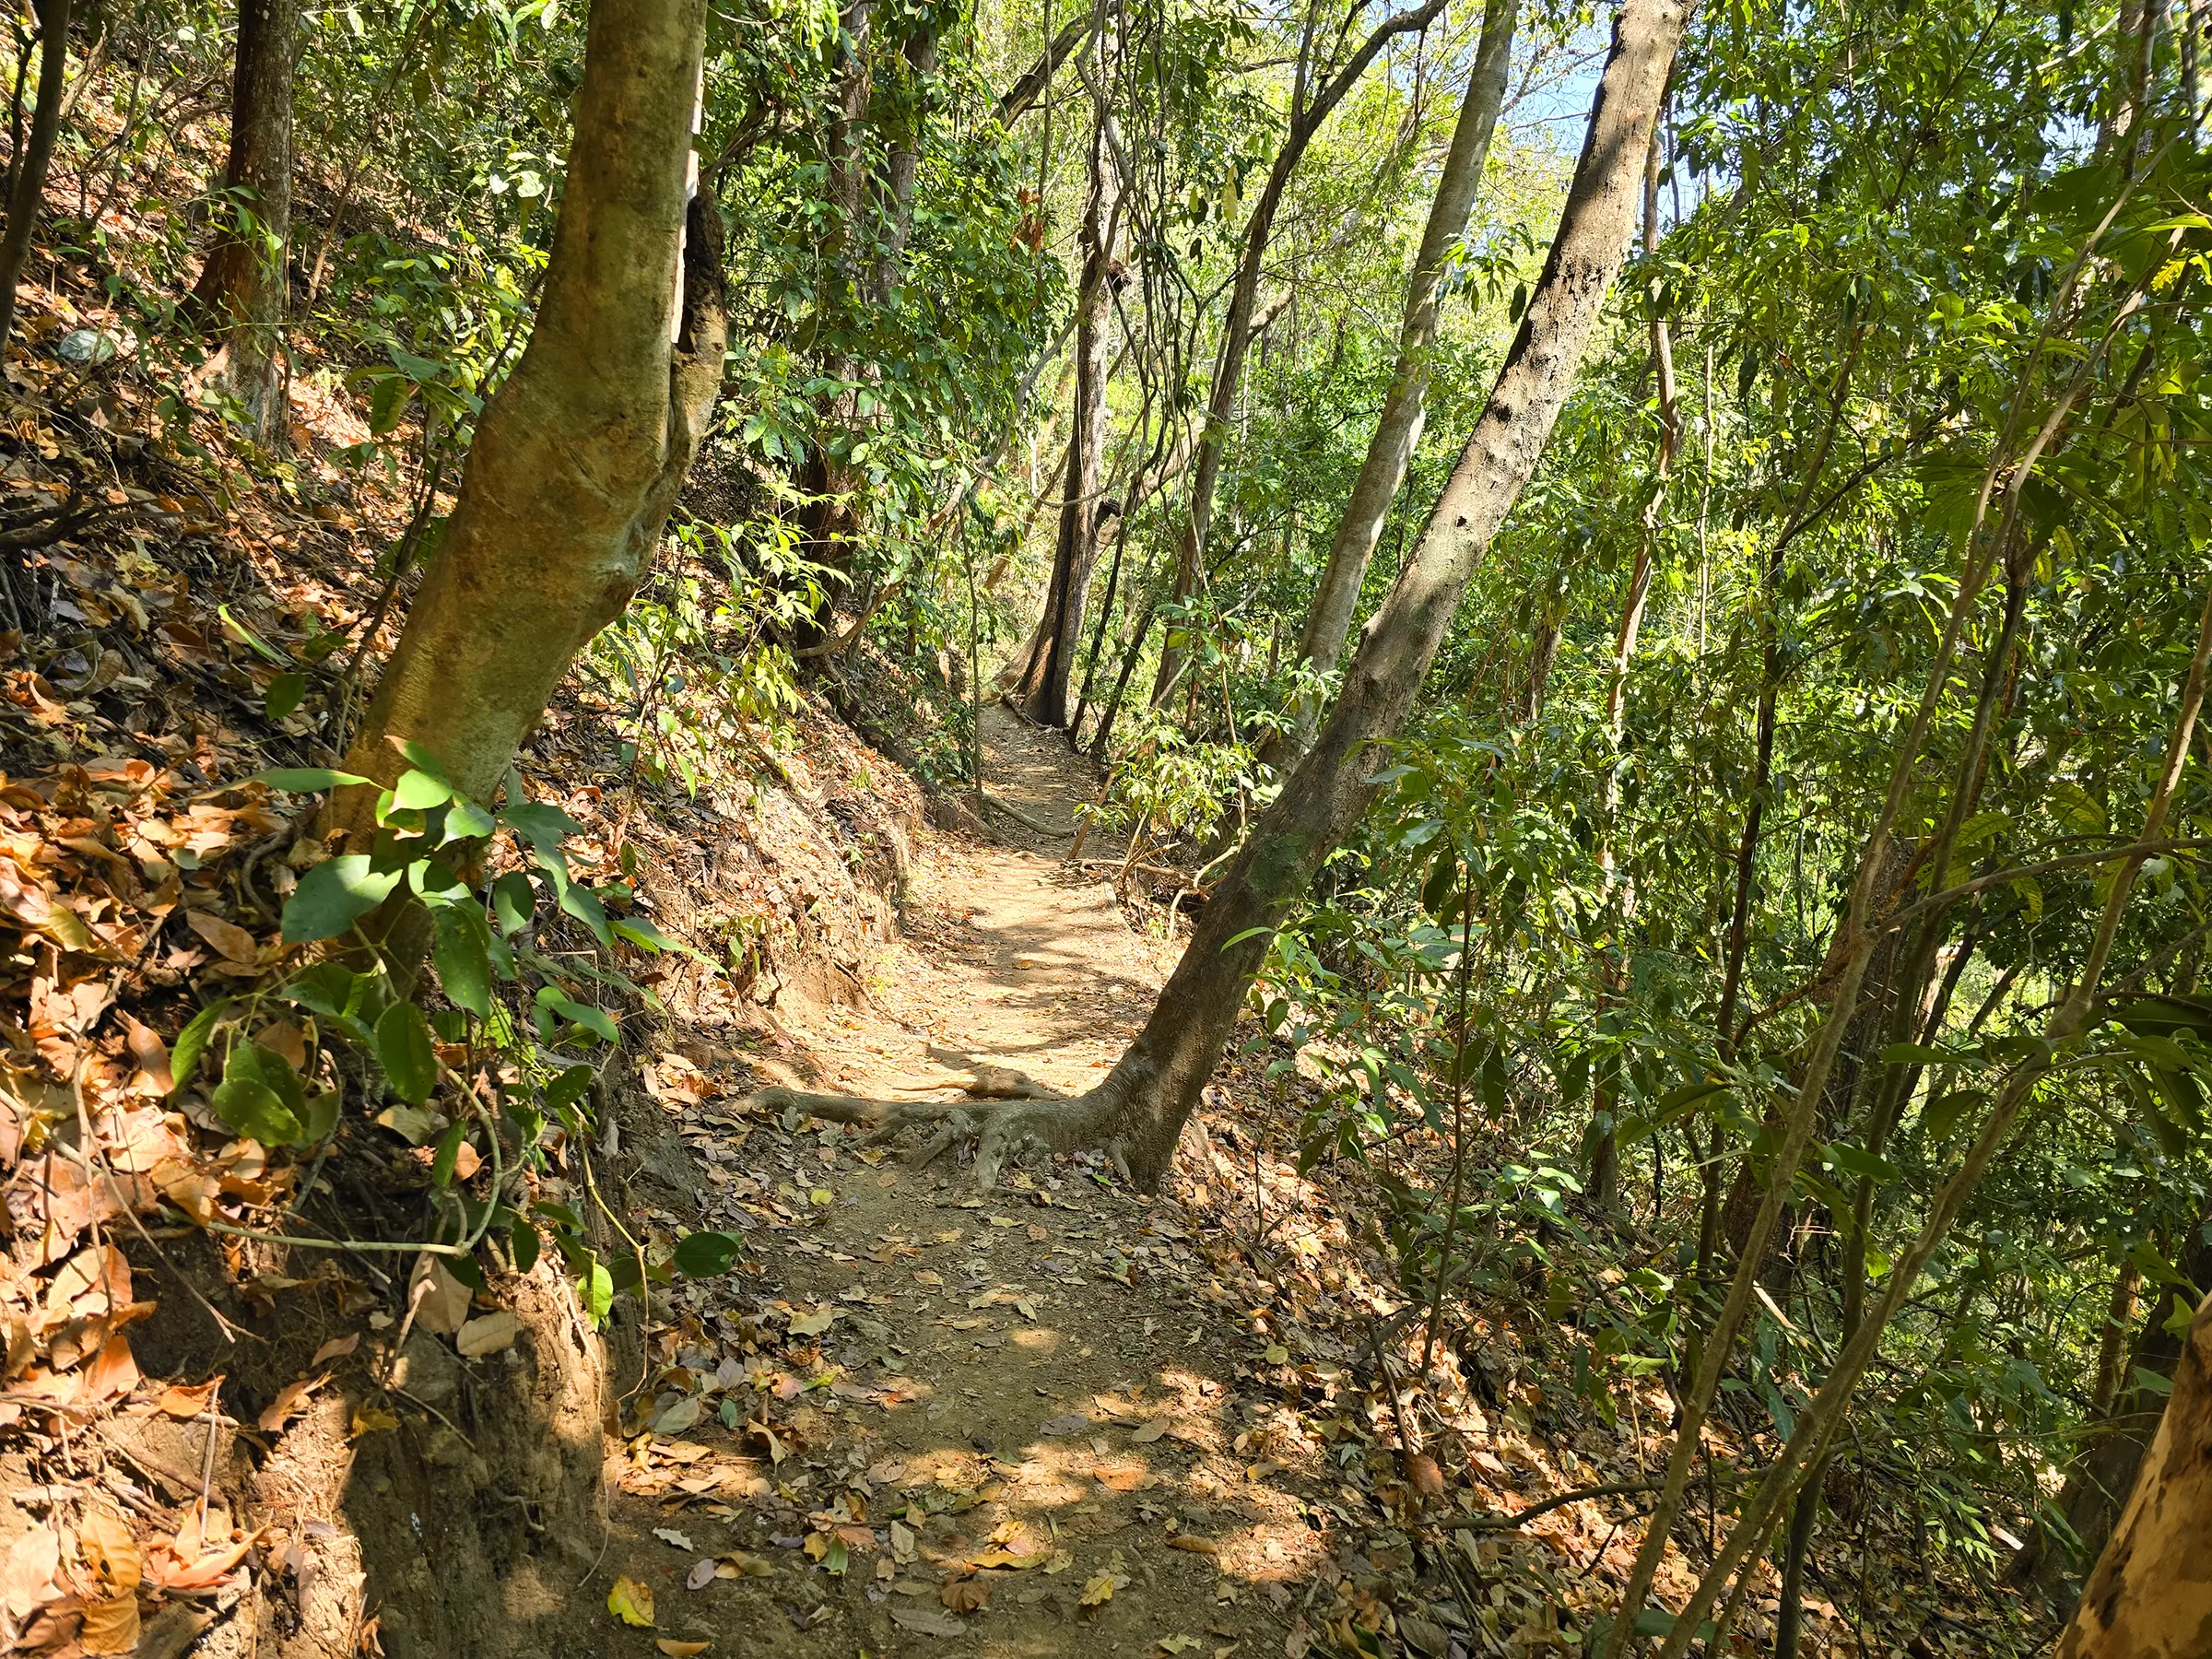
(1237, 330)
(1138, 1111)
(1042, 683)
(38, 153)
(2150, 1597)
(579, 453)
(241, 290)
(1406, 405)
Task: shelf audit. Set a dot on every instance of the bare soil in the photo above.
(1029, 1400)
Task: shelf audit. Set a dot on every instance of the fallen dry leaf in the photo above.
(490, 1334)
(231, 941)
(1149, 1433)
(631, 1602)
(110, 1549)
(680, 1650)
(111, 1626)
(179, 1400)
(966, 1595)
(337, 1348)
(928, 1620)
(289, 1402)
(210, 1570)
(1193, 1545)
(26, 1579)
(443, 1306)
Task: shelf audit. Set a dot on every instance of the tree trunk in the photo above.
(894, 191)
(579, 453)
(38, 153)
(1018, 98)
(1405, 406)
(1236, 328)
(1604, 1188)
(1042, 684)
(2150, 1597)
(829, 525)
(241, 290)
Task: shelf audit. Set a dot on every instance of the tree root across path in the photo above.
(1002, 1128)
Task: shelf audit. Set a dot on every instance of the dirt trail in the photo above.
(1028, 1397)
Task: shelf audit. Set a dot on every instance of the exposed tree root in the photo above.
(1002, 1129)
(984, 1082)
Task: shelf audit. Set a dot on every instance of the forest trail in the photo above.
(1031, 1382)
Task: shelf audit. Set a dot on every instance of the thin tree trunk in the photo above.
(1043, 682)
(1604, 1150)
(241, 290)
(1237, 327)
(1018, 99)
(827, 521)
(894, 191)
(1405, 406)
(29, 188)
(551, 535)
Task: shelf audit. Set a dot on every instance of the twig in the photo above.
(1407, 1443)
(307, 1243)
(1521, 1517)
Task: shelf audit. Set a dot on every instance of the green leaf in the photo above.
(402, 1044)
(704, 1254)
(260, 645)
(254, 1064)
(643, 934)
(447, 1155)
(192, 1042)
(545, 826)
(1939, 1118)
(576, 899)
(283, 694)
(465, 820)
(593, 1020)
(253, 1109)
(521, 1237)
(417, 791)
(320, 1116)
(513, 902)
(420, 758)
(334, 895)
(464, 958)
(386, 402)
(598, 1287)
(568, 1088)
(1915, 1053)
(305, 780)
(1853, 1160)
